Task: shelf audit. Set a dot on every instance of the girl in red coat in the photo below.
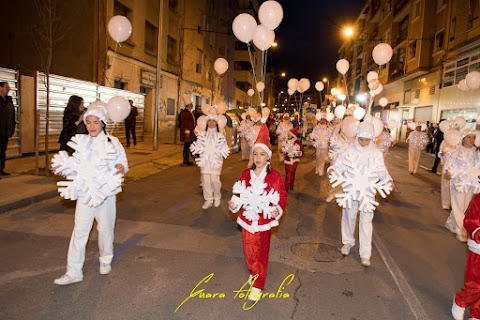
(261, 200)
(469, 295)
(293, 151)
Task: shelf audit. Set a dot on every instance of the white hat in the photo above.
(467, 132)
(366, 130)
(97, 111)
(186, 99)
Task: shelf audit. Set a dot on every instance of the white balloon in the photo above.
(270, 14)
(378, 126)
(444, 126)
(473, 79)
(460, 121)
(373, 85)
(379, 90)
(334, 91)
(304, 84)
(477, 138)
(359, 113)
(220, 66)
(340, 111)
(250, 92)
(319, 86)
(392, 124)
(292, 84)
(319, 115)
(119, 28)
(462, 85)
(244, 26)
(372, 75)
(290, 91)
(383, 102)
(342, 66)
(260, 86)
(202, 122)
(118, 108)
(412, 125)
(382, 53)
(263, 38)
(349, 126)
(453, 137)
(222, 122)
(330, 116)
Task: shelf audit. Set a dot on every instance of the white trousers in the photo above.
(460, 202)
(413, 159)
(211, 187)
(281, 144)
(84, 215)
(445, 188)
(245, 148)
(321, 155)
(365, 229)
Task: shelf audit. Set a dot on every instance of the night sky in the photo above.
(310, 36)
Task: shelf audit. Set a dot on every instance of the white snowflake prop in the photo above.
(211, 150)
(291, 149)
(359, 185)
(465, 181)
(255, 199)
(88, 177)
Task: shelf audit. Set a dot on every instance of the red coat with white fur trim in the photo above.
(273, 181)
(471, 222)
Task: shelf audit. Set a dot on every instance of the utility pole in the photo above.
(158, 84)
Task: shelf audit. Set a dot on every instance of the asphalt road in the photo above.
(166, 245)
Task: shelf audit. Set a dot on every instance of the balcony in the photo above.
(396, 68)
(399, 6)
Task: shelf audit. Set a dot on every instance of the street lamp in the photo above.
(348, 32)
(283, 74)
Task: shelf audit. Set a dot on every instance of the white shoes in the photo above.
(216, 203)
(67, 279)
(105, 268)
(207, 204)
(457, 311)
(255, 294)
(462, 238)
(346, 249)
(366, 262)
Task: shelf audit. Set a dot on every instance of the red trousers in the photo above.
(290, 170)
(469, 295)
(255, 249)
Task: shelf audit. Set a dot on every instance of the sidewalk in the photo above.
(23, 187)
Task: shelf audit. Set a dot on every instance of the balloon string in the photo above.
(113, 128)
(253, 68)
(346, 88)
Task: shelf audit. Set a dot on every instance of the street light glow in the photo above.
(274, 44)
(325, 80)
(283, 74)
(348, 32)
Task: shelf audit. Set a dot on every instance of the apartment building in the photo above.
(435, 44)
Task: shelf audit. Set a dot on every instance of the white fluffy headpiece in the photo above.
(97, 111)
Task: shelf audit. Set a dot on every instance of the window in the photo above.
(439, 41)
(453, 28)
(417, 93)
(387, 8)
(198, 65)
(432, 90)
(242, 65)
(416, 10)
(441, 3)
(171, 50)
(173, 5)
(221, 51)
(474, 9)
(119, 84)
(407, 97)
(121, 10)
(170, 107)
(240, 46)
(412, 50)
(151, 35)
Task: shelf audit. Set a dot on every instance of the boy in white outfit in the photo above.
(103, 151)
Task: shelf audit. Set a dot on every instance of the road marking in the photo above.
(400, 280)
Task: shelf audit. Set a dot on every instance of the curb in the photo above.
(28, 201)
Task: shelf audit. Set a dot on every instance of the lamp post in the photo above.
(326, 81)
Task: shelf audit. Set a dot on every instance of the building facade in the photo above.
(435, 44)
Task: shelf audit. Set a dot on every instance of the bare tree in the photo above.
(47, 32)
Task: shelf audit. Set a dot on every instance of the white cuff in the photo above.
(280, 212)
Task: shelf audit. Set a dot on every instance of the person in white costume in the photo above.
(462, 189)
(339, 142)
(211, 146)
(321, 135)
(368, 154)
(444, 154)
(105, 213)
(417, 141)
(282, 132)
(245, 124)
